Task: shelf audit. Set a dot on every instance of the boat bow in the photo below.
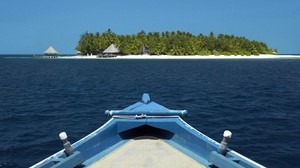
(143, 124)
(146, 107)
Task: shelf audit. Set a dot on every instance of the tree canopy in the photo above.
(171, 43)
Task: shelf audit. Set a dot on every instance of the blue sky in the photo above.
(31, 26)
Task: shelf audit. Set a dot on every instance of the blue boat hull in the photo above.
(147, 122)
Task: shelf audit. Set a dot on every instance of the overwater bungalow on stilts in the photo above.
(51, 53)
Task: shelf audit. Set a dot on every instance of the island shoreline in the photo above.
(263, 56)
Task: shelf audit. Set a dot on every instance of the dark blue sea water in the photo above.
(258, 100)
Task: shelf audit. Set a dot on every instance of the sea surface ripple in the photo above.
(258, 100)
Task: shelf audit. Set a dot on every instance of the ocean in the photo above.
(257, 99)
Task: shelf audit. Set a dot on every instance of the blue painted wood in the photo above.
(221, 161)
(146, 98)
(148, 108)
(151, 119)
(71, 161)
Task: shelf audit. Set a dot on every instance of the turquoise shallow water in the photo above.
(258, 100)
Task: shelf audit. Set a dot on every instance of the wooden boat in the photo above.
(147, 134)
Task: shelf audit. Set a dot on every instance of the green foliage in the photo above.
(171, 43)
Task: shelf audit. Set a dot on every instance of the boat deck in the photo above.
(146, 152)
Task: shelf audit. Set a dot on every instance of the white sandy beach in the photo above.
(182, 57)
(203, 57)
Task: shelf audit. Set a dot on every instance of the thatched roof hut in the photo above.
(111, 50)
(50, 51)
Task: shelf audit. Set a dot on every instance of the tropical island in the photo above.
(170, 43)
